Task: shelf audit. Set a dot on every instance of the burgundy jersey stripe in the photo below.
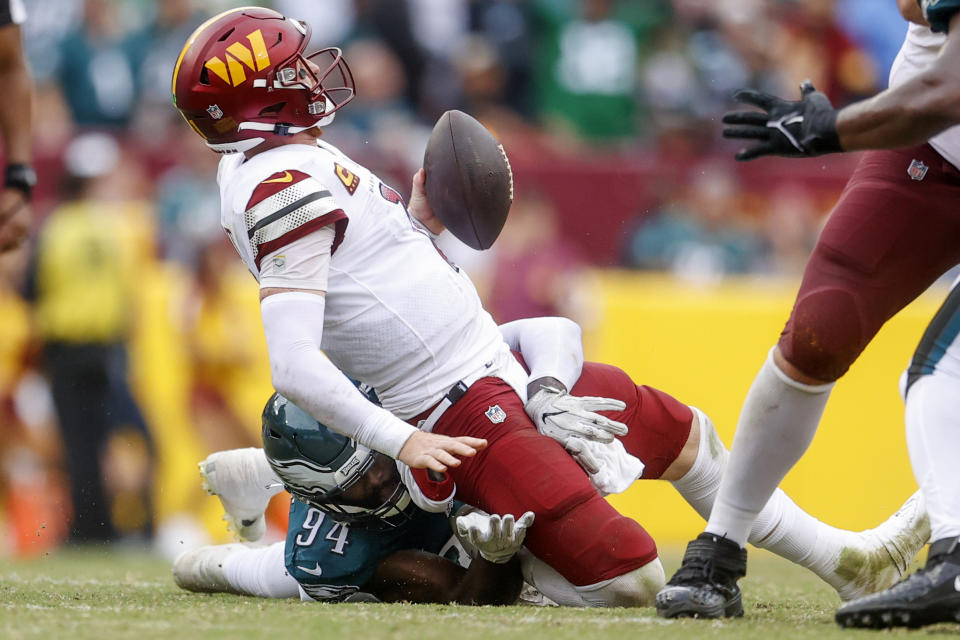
(274, 184)
(336, 216)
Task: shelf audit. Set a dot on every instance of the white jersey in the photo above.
(920, 49)
(398, 316)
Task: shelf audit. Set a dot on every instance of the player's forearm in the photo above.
(552, 349)
(489, 583)
(911, 11)
(911, 113)
(905, 116)
(305, 376)
(16, 108)
(418, 576)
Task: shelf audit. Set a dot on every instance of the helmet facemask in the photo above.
(330, 471)
(323, 74)
(329, 89)
(331, 493)
(391, 512)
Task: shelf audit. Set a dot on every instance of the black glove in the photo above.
(796, 129)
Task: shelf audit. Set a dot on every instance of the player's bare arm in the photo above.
(15, 127)
(911, 11)
(418, 576)
(912, 112)
(908, 114)
(492, 578)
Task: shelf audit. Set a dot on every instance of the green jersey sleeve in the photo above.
(939, 13)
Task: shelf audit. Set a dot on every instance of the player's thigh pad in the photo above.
(576, 531)
(888, 238)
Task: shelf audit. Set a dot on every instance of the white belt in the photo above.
(456, 392)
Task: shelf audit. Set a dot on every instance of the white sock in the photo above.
(933, 440)
(777, 424)
(548, 581)
(790, 532)
(261, 572)
(636, 588)
(781, 526)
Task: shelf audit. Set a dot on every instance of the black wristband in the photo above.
(20, 176)
(546, 381)
(821, 132)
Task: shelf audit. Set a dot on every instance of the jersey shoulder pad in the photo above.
(939, 13)
(286, 206)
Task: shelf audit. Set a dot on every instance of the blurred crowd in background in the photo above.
(608, 109)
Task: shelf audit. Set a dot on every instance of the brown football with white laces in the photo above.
(469, 182)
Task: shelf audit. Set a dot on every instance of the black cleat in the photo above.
(928, 596)
(705, 585)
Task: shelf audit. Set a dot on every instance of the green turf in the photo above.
(100, 594)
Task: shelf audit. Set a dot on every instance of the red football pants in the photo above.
(576, 531)
(659, 424)
(888, 238)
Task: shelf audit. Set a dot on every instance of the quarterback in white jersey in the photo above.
(894, 231)
(397, 314)
(349, 285)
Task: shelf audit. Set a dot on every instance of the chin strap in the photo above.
(282, 128)
(277, 129)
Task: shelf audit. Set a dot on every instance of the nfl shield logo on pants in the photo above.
(496, 414)
(917, 170)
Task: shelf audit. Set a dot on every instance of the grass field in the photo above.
(99, 594)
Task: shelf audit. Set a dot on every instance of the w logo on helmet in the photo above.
(255, 58)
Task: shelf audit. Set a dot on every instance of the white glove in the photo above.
(497, 538)
(560, 415)
(610, 467)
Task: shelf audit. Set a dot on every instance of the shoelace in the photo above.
(696, 570)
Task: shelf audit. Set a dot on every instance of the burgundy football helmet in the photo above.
(242, 77)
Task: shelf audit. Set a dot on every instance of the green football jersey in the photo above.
(332, 560)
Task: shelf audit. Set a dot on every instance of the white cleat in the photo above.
(882, 555)
(202, 570)
(244, 482)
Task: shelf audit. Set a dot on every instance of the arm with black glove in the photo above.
(906, 115)
(802, 128)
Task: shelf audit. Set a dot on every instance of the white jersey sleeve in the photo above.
(285, 207)
(550, 347)
(302, 264)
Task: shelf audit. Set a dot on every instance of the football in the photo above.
(469, 183)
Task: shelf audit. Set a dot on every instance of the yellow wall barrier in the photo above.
(161, 377)
(704, 346)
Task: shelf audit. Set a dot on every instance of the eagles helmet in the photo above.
(317, 465)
